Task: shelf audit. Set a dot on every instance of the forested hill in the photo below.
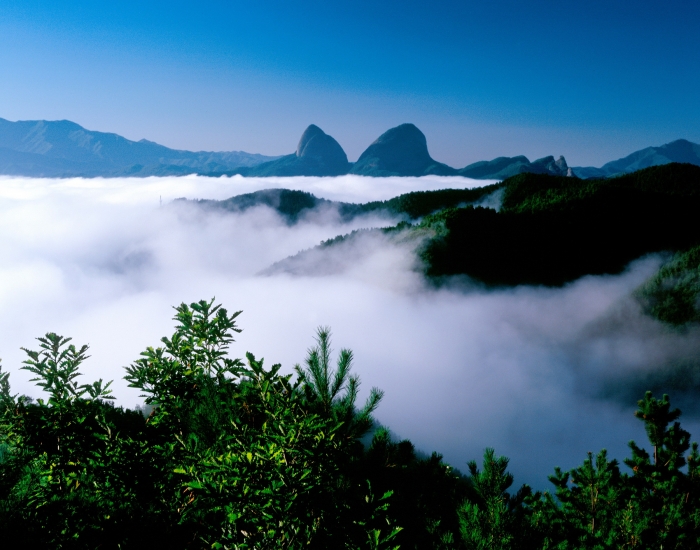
(551, 230)
(547, 230)
(293, 205)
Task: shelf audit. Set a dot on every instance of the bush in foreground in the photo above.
(237, 455)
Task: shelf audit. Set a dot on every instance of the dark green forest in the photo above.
(234, 454)
(551, 230)
(673, 294)
(293, 205)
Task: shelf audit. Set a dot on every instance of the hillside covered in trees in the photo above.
(551, 230)
(536, 229)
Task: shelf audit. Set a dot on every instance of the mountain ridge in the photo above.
(680, 150)
(40, 148)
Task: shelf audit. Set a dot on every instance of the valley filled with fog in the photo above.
(541, 374)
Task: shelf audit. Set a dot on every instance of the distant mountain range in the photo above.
(65, 149)
(680, 150)
(403, 151)
(39, 148)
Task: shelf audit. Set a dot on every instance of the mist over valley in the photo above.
(542, 373)
(349, 275)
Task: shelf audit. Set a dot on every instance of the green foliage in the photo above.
(660, 487)
(258, 456)
(417, 204)
(672, 295)
(592, 508)
(598, 507)
(256, 483)
(551, 230)
(232, 454)
(426, 491)
(491, 518)
(6, 398)
(237, 455)
(68, 474)
(322, 387)
(56, 367)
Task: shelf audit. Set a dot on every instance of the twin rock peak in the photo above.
(400, 151)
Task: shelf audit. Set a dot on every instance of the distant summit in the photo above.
(548, 165)
(680, 150)
(498, 168)
(318, 154)
(315, 143)
(40, 148)
(400, 151)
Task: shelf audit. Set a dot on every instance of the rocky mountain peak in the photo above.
(315, 143)
(401, 151)
(547, 165)
(405, 139)
(309, 134)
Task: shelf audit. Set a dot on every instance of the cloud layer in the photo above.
(526, 370)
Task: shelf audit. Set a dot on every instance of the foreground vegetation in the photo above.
(233, 454)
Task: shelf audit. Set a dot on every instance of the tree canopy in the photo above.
(236, 454)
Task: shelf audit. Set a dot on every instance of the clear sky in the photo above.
(591, 80)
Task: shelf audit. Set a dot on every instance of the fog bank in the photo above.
(540, 374)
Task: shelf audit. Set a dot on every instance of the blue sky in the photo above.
(590, 80)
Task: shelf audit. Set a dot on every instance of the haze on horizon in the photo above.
(592, 81)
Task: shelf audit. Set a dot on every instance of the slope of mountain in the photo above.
(63, 149)
(505, 167)
(290, 205)
(553, 229)
(400, 151)
(680, 150)
(317, 154)
(498, 168)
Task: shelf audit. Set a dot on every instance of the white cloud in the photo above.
(517, 369)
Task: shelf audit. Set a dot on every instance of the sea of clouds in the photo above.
(526, 370)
